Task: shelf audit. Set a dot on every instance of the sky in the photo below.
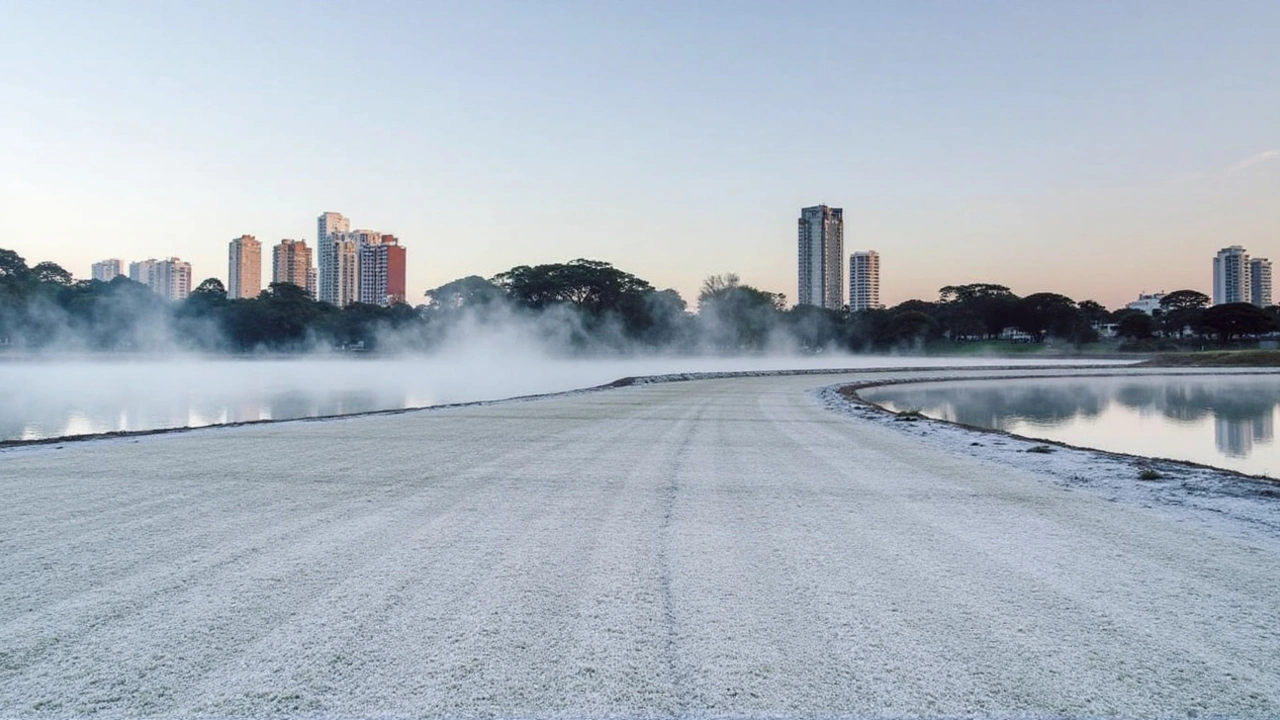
(1096, 149)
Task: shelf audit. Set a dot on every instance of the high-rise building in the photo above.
(1231, 281)
(244, 268)
(108, 270)
(291, 263)
(171, 278)
(339, 271)
(1260, 282)
(330, 227)
(382, 272)
(143, 271)
(821, 255)
(864, 280)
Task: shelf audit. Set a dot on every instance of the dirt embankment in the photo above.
(1223, 358)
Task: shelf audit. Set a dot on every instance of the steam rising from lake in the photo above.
(51, 397)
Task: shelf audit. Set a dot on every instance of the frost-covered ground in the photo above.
(714, 548)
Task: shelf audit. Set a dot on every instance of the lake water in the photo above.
(62, 397)
(1224, 421)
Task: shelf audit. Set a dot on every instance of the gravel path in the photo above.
(711, 548)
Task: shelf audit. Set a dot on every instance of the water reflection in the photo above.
(1151, 415)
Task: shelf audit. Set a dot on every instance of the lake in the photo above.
(44, 398)
(1224, 421)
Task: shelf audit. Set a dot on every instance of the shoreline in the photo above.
(851, 394)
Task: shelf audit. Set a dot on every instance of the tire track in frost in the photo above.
(681, 678)
(1161, 571)
(71, 622)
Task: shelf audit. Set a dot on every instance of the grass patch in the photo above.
(1040, 449)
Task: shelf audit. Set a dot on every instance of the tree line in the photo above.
(583, 305)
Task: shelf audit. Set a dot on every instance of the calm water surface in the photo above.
(1226, 422)
(61, 397)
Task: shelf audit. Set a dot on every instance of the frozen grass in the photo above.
(715, 548)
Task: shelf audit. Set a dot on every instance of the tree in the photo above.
(911, 325)
(737, 317)
(1233, 320)
(589, 284)
(210, 287)
(977, 309)
(1184, 300)
(1093, 313)
(1182, 309)
(51, 273)
(12, 265)
(472, 291)
(671, 319)
(816, 328)
(1135, 324)
(1041, 314)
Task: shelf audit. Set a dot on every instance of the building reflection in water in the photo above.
(1235, 437)
(1242, 408)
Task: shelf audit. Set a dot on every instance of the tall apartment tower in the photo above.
(1231, 281)
(291, 263)
(1260, 282)
(107, 270)
(382, 272)
(340, 270)
(244, 268)
(143, 271)
(864, 281)
(331, 227)
(821, 255)
(171, 278)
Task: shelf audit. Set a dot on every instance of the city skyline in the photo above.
(1013, 143)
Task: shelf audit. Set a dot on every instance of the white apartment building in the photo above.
(1260, 282)
(821, 257)
(291, 263)
(1231, 277)
(1146, 302)
(340, 271)
(330, 227)
(107, 270)
(864, 281)
(143, 271)
(171, 278)
(244, 268)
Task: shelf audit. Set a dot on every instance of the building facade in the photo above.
(1231, 277)
(291, 263)
(382, 271)
(340, 271)
(331, 227)
(1260, 282)
(864, 281)
(244, 268)
(107, 270)
(143, 271)
(821, 257)
(171, 278)
(1146, 302)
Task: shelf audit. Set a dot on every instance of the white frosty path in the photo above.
(709, 548)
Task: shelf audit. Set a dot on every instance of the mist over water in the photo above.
(54, 397)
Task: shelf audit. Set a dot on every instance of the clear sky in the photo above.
(1090, 148)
